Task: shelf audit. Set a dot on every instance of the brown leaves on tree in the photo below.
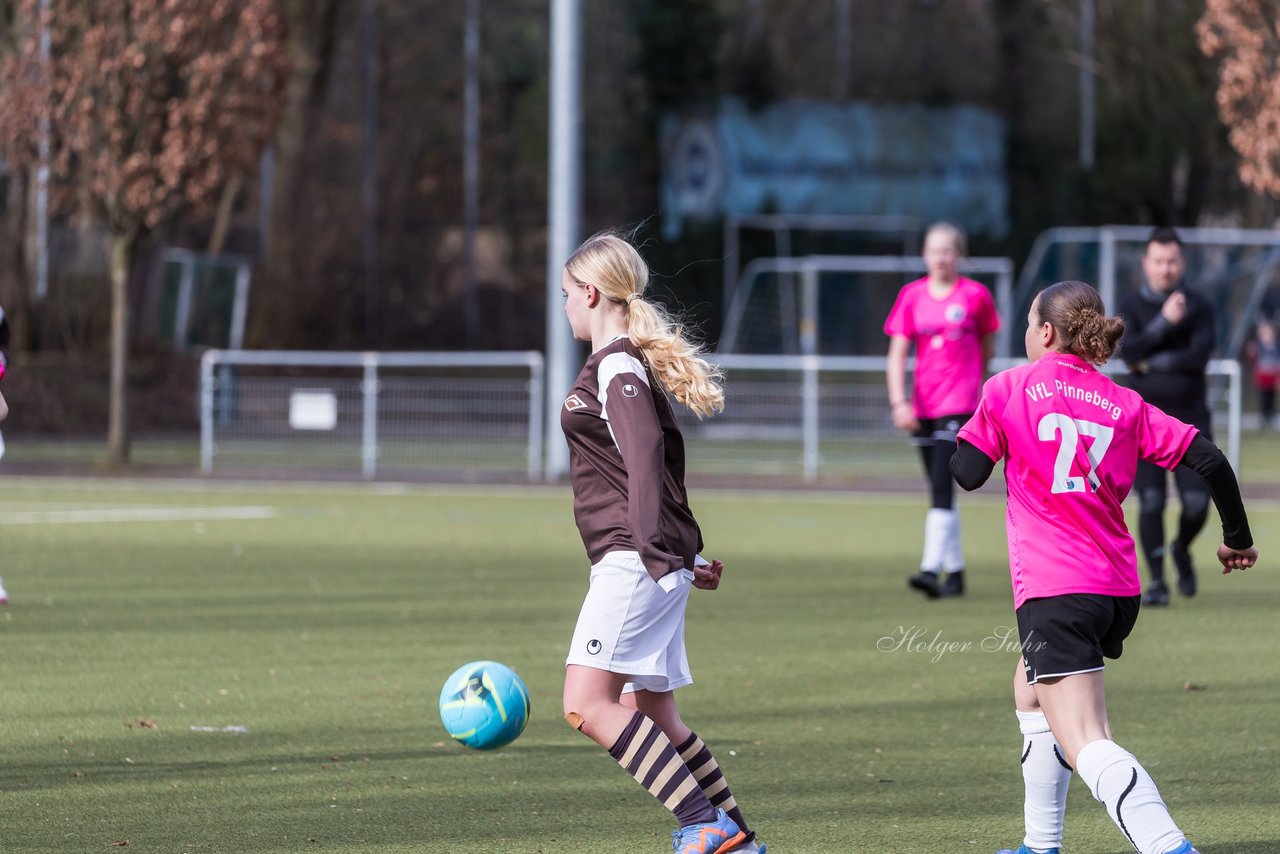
(1244, 35)
(151, 104)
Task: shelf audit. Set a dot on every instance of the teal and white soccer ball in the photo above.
(484, 705)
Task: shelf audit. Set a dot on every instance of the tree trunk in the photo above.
(222, 216)
(313, 33)
(15, 283)
(118, 418)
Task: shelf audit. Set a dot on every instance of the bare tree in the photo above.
(1244, 37)
(313, 30)
(152, 106)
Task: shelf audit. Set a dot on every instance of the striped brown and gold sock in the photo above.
(702, 765)
(646, 754)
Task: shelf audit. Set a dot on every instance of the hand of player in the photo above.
(1236, 558)
(1175, 307)
(904, 417)
(707, 576)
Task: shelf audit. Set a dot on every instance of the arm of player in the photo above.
(903, 413)
(634, 421)
(1139, 342)
(706, 575)
(1204, 458)
(1195, 355)
(4, 343)
(970, 467)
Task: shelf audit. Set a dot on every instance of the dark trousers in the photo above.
(1152, 485)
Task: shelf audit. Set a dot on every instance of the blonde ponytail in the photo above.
(675, 361)
(616, 269)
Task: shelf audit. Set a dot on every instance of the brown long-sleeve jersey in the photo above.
(626, 463)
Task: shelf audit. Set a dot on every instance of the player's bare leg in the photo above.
(1076, 709)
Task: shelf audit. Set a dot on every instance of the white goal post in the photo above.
(467, 412)
(827, 416)
(798, 311)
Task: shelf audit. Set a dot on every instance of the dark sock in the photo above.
(1151, 533)
(702, 765)
(647, 755)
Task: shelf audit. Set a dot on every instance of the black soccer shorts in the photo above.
(1073, 633)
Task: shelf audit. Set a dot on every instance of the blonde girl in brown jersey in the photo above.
(614, 270)
(626, 455)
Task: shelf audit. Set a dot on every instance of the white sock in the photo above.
(953, 551)
(1045, 777)
(1127, 791)
(937, 523)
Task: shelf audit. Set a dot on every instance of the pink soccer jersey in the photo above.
(947, 334)
(1071, 440)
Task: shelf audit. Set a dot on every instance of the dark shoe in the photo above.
(954, 585)
(1157, 594)
(1186, 570)
(926, 583)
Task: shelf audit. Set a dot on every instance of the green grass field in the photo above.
(844, 458)
(323, 619)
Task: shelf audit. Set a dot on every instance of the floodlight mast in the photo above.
(42, 167)
(564, 192)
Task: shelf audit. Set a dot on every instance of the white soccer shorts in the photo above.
(633, 625)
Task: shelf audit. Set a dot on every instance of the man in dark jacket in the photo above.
(1167, 343)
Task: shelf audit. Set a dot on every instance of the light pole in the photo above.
(1087, 118)
(564, 213)
(369, 169)
(471, 168)
(42, 167)
(844, 48)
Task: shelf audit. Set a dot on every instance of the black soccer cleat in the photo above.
(926, 583)
(954, 585)
(1186, 569)
(1157, 594)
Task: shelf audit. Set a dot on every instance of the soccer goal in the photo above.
(461, 415)
(204, 299)
(835, 305)
(1236, 269)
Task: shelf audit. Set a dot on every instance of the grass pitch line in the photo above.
(136, 514)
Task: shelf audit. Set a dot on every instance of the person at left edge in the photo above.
(4, 359)
(626, 467)
(4, 407)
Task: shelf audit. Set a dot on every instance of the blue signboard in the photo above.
(804, 157)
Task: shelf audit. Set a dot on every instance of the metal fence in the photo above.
(472, 415)
(378, 413)
(823, 416)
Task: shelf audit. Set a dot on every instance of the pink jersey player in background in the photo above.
(950, 322)
(1071, 440)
